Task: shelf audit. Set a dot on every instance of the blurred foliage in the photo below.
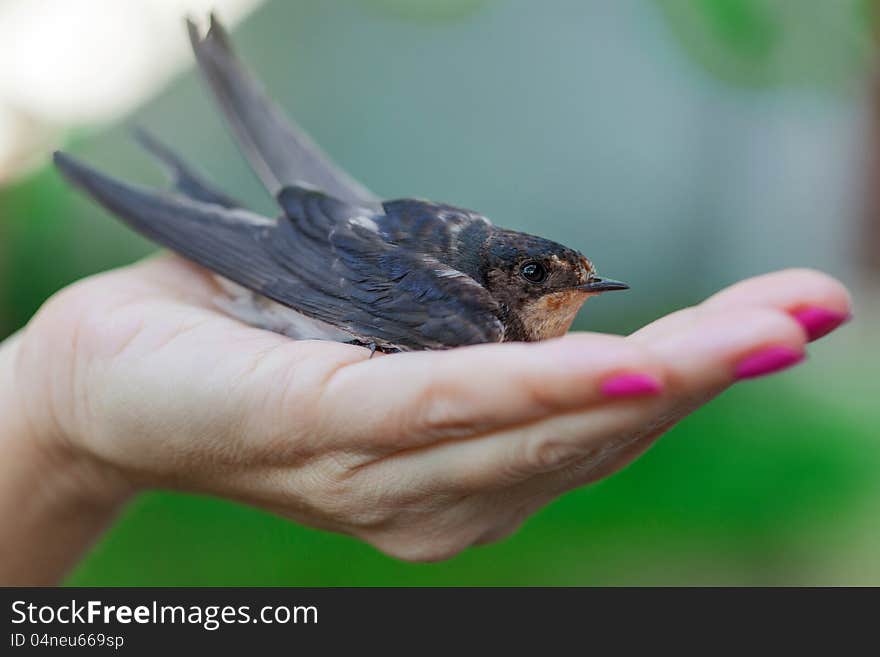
(776, 42)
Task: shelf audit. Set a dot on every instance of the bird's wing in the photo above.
(225, 240)
(335, 269)
(427, 222)
(361, 282)
(448, 233)
(278, 150)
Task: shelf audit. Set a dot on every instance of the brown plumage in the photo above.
(338, 263)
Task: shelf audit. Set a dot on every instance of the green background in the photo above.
(534, 113)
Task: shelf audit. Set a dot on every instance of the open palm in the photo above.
(420, 454)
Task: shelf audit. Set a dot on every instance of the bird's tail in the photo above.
(184, 177)
(278, 150)
(219, 238)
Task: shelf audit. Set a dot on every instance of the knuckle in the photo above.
(367, 499)
(540, 397)
(437, 412)
(358, 516)
(613, 355)
(633, 355)
(342, 496)
(544, 454)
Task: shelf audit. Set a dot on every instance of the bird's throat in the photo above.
(551, 315)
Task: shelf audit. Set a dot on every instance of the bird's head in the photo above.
(539, 284)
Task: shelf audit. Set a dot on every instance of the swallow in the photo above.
(339, 263)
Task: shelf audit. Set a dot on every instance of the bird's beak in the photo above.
(602, 285)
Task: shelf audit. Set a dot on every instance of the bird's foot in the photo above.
(374, 347)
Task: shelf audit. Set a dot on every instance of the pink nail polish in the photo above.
(819, 321)
(631, 385)
(767, 361)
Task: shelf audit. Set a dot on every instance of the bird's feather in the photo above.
(448, 233)
(279, 151)
(183, 176)
(322, 258)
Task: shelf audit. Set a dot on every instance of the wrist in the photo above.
(55, 499)
(34, 433)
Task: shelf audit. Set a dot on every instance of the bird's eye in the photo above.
(533, 272)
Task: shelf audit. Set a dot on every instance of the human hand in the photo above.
(419, 454)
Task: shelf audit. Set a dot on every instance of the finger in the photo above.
(820, 302)
(788, 289)
(413, 399)
(696, 364)
(685, 390)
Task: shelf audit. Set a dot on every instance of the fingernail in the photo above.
(819, 321)
(767, 361)
(631, 385)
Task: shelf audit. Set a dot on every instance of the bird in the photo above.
(339, 263)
